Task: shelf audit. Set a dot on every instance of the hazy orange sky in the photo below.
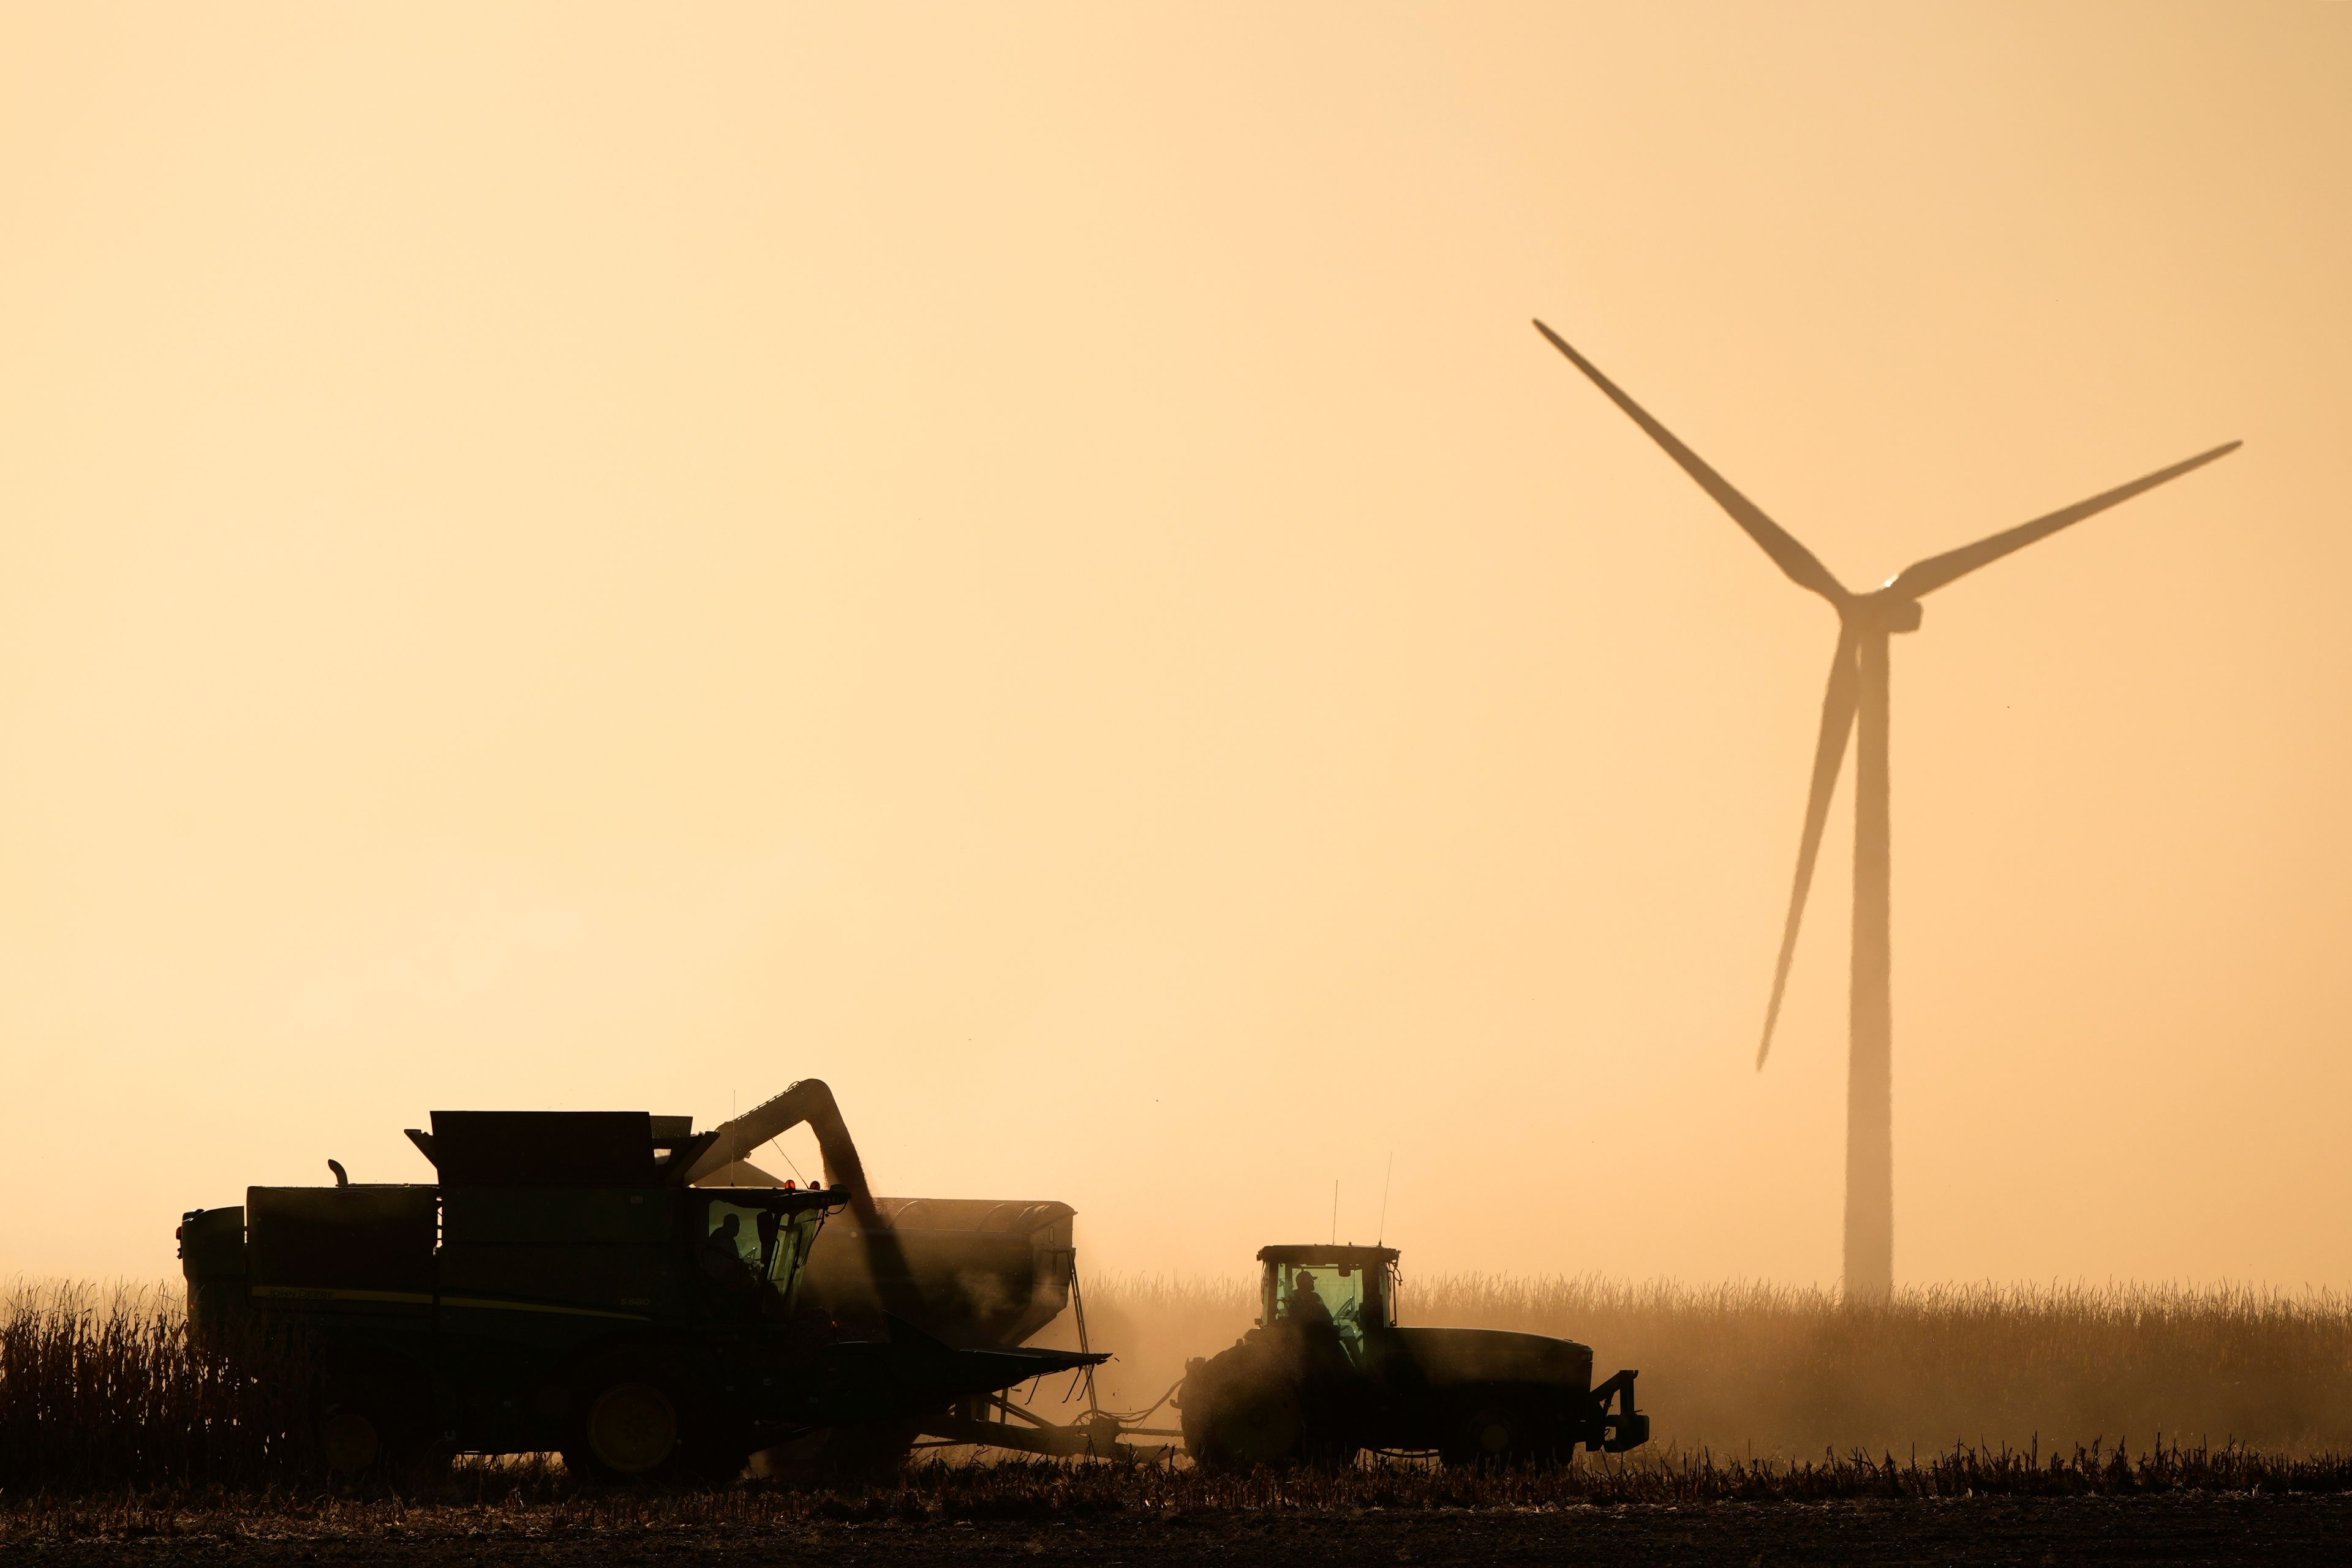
(1027, 562)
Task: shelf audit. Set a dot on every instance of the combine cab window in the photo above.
(795, 1235)
(755, 1246)
(734, 1234)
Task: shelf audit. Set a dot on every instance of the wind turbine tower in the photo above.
(1856, 700)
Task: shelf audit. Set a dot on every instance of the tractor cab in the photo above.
(1352, 1288)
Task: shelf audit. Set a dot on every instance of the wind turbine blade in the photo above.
(1803, 567)
(1927, 576)
(1829, 755)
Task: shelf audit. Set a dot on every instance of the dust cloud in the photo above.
(1759, 1371)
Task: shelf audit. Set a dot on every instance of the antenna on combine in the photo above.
(1384, 1234)
(1335, 1211)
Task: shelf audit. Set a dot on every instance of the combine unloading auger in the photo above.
(721, 1157)
(975, 1273)
(811, 1100)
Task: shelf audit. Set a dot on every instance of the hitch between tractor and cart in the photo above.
(995, 1422)
(1618, 1425)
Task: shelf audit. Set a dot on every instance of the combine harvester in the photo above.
(617, 1287)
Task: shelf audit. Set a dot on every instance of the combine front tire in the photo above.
(640, 1422)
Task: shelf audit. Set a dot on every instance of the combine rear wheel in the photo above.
(351, 1441)
(373, 1419)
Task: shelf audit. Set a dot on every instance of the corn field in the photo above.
(102, 1389)
(1769, 1371)
(1755, 1391)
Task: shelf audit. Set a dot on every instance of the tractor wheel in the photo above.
(1246, 1407)
(1500, 1431)
(1252, 1428)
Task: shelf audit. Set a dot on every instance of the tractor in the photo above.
(1329, 1373)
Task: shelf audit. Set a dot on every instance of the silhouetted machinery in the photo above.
(1327, 1371)
(635, 1294)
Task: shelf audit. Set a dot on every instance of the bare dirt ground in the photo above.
(2030, 1531)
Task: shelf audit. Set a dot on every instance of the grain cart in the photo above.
(1327, 1371)
(562, 1286)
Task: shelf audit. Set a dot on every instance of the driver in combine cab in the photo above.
(724, 1260)
(1306, 1305)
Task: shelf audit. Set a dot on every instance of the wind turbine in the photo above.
(1858, 690)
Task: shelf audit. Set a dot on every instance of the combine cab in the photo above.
(564, 1285)
(1329, 1372)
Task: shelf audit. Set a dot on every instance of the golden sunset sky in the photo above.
(1027, 562)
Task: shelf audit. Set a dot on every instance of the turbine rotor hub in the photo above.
(1886, 613)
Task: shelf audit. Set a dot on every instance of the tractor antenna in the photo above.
(1384, 1200)
(1335, 1211)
